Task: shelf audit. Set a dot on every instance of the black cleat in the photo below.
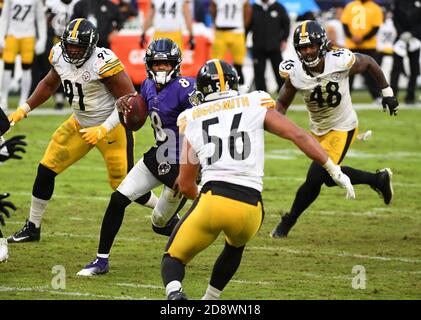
(177, 295)
(283, 227)
(167, 230)
(28, 233)
(384, 185)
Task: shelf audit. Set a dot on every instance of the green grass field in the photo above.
(315, 262)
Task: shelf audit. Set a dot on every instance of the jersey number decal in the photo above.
(234, 135)
(172, 10)
(19, 14)
(227, 10)
(68, 92)
(333, 98)
(156, 123)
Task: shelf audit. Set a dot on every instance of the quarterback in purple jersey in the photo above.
(167, 94)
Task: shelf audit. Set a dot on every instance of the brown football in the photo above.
(136, 117)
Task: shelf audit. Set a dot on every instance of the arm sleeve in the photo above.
(112, 121)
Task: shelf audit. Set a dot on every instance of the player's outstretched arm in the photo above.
(44, 90)
(364, 63)
(280, 125)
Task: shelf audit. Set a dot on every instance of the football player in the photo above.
(322, 76)
(93, 78)
(225, 137)
(18, 25)
(166, 94)
(8, 149)
(167, 16)
(230, 18)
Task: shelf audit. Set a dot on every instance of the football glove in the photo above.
(9, 148)
(3, 207)
(389, 101)
(17, 116)
(94, 134)
(340, 178)
(192, 42)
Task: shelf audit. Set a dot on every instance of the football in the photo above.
(136, 117)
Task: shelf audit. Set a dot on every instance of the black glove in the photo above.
(142, 41)
(391, 103)
(3, 205)
(192, 42)
(13, 146)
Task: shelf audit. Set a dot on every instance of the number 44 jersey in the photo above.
(326, 95)
(228, 137)
(90, 99)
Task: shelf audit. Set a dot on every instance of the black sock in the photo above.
(225, 266)
(359, 176)
(112, 221)
(143, 199)
(172, 269)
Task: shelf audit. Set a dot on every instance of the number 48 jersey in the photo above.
(90, 99)
(228, 137)
(326, 95)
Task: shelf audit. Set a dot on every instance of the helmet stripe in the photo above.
(220, 74)
(78, 21)
(304, 29)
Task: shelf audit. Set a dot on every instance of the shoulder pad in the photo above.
(286, 67)
(106, 63)
(262, 99)
(342, 58)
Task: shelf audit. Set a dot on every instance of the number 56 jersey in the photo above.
(90, 99)
(326, 95)
(228, 137)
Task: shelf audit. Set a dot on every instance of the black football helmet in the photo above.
(307, 33)
(163, 49)
(82, 33)
(216, 79)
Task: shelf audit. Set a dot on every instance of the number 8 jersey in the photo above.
(89, 97)
(326, 95)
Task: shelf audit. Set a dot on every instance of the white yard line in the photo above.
(145, 286)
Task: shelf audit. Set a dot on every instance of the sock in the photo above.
(7, 79)
(173, 286)
(103, 255)
(37, 210)
(211, 293)
(26, 86)
(153, 200)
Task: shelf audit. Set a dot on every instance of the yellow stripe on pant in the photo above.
(210, 215)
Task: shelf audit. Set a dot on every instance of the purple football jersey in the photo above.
(163, 109)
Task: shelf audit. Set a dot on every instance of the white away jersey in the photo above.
(168, 15)
(228, 137)
(229, 14)
(326, 95)
(89, 97)
(19, 16)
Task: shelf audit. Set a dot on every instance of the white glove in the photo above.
(406, 36)
(340, 178)
(39, 47)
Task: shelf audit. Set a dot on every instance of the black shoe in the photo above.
(384, 185)
(167, 230)
(177, 295)
(283, 227)
(28, 233)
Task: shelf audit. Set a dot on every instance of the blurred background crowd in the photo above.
(255, 36)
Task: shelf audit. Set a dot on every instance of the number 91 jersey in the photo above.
(326, 95)
(228, 137)
(90, 99)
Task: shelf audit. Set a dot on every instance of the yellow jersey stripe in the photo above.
(112, 71)
(109, 65)
(220, 74)
(351, 63)
(78, 21)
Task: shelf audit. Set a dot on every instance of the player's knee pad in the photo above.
(165, 208)
(9, 66)
(115, 172)
(119, 200)
(44, 183)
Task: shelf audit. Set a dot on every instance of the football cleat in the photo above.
(28, 233)
(168, 229)
(177, 295)
(98, 266)
(283, 227)
(4, 252)
(384, 185)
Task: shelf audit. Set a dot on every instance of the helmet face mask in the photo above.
(310, 34)
(216, 79)
(163, 51)
(79, 41)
